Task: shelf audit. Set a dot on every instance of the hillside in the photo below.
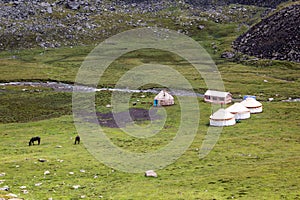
(268, 3)
(50, 24)
(275, 37)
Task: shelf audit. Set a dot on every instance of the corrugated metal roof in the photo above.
(216, 93)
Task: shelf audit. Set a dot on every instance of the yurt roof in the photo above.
(222, 114)
(251, 103)
(238, 108)
(163, 95)
(216, 93)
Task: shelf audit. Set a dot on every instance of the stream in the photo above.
(65, 87)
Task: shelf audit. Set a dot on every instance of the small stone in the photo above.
(200, 27)
(76, 186)
(47, 172)
(82, 170)
(42, 160)
(71, 173)
(25, 191)
(5, 188)
(12, 195)
(227, 54)
(38, 184)
(150, 173)
(23, 187)
(2, 174)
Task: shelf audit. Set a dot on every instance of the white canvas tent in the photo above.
(253, 105)
(222, 118)
(239, 111)
(163, 99)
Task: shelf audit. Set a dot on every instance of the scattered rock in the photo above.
(47, 172)
(5, 188)
(76, 186)
(22, 187)
(201, 27)
(71, 173)
(73, 5)
(12, 195)
(2, 174)
(42, 160)
(227, 55)
(38, 184)
(82, 170)
(25, 191)
(150, 173)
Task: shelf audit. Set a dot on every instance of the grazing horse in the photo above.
(77, 139)
(33, 139)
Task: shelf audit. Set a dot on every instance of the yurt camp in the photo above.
(239, 111)
(217, 97)
(222, 118)
(163, 99)
(253, 105)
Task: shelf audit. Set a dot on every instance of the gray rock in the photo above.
(227, 54)
(5, 188)
(73, 5)
(150, 173)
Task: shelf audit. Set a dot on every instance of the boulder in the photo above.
(150, 173)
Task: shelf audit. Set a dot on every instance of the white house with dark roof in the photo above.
(217, 97)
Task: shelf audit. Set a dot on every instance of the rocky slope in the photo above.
(55, 23)
(263, 3)
(275, 37)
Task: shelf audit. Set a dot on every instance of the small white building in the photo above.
(222, 118)
(163, 99)
(239, 111)
(217, 97)
(253, 105)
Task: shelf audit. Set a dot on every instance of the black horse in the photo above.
(33, 139)
(77, 139)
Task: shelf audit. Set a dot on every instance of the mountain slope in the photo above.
(275, 37)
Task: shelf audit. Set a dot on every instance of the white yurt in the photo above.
(222, 118)
(163, 99)
(253, 105)
(239, 110)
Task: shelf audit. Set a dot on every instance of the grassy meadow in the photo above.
(255, 159)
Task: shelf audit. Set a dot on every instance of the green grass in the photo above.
(257, 158)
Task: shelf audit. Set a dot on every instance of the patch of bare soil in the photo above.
(121, 119)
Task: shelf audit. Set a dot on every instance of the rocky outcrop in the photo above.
(25, 24)
(262, 3)
(275, 37)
